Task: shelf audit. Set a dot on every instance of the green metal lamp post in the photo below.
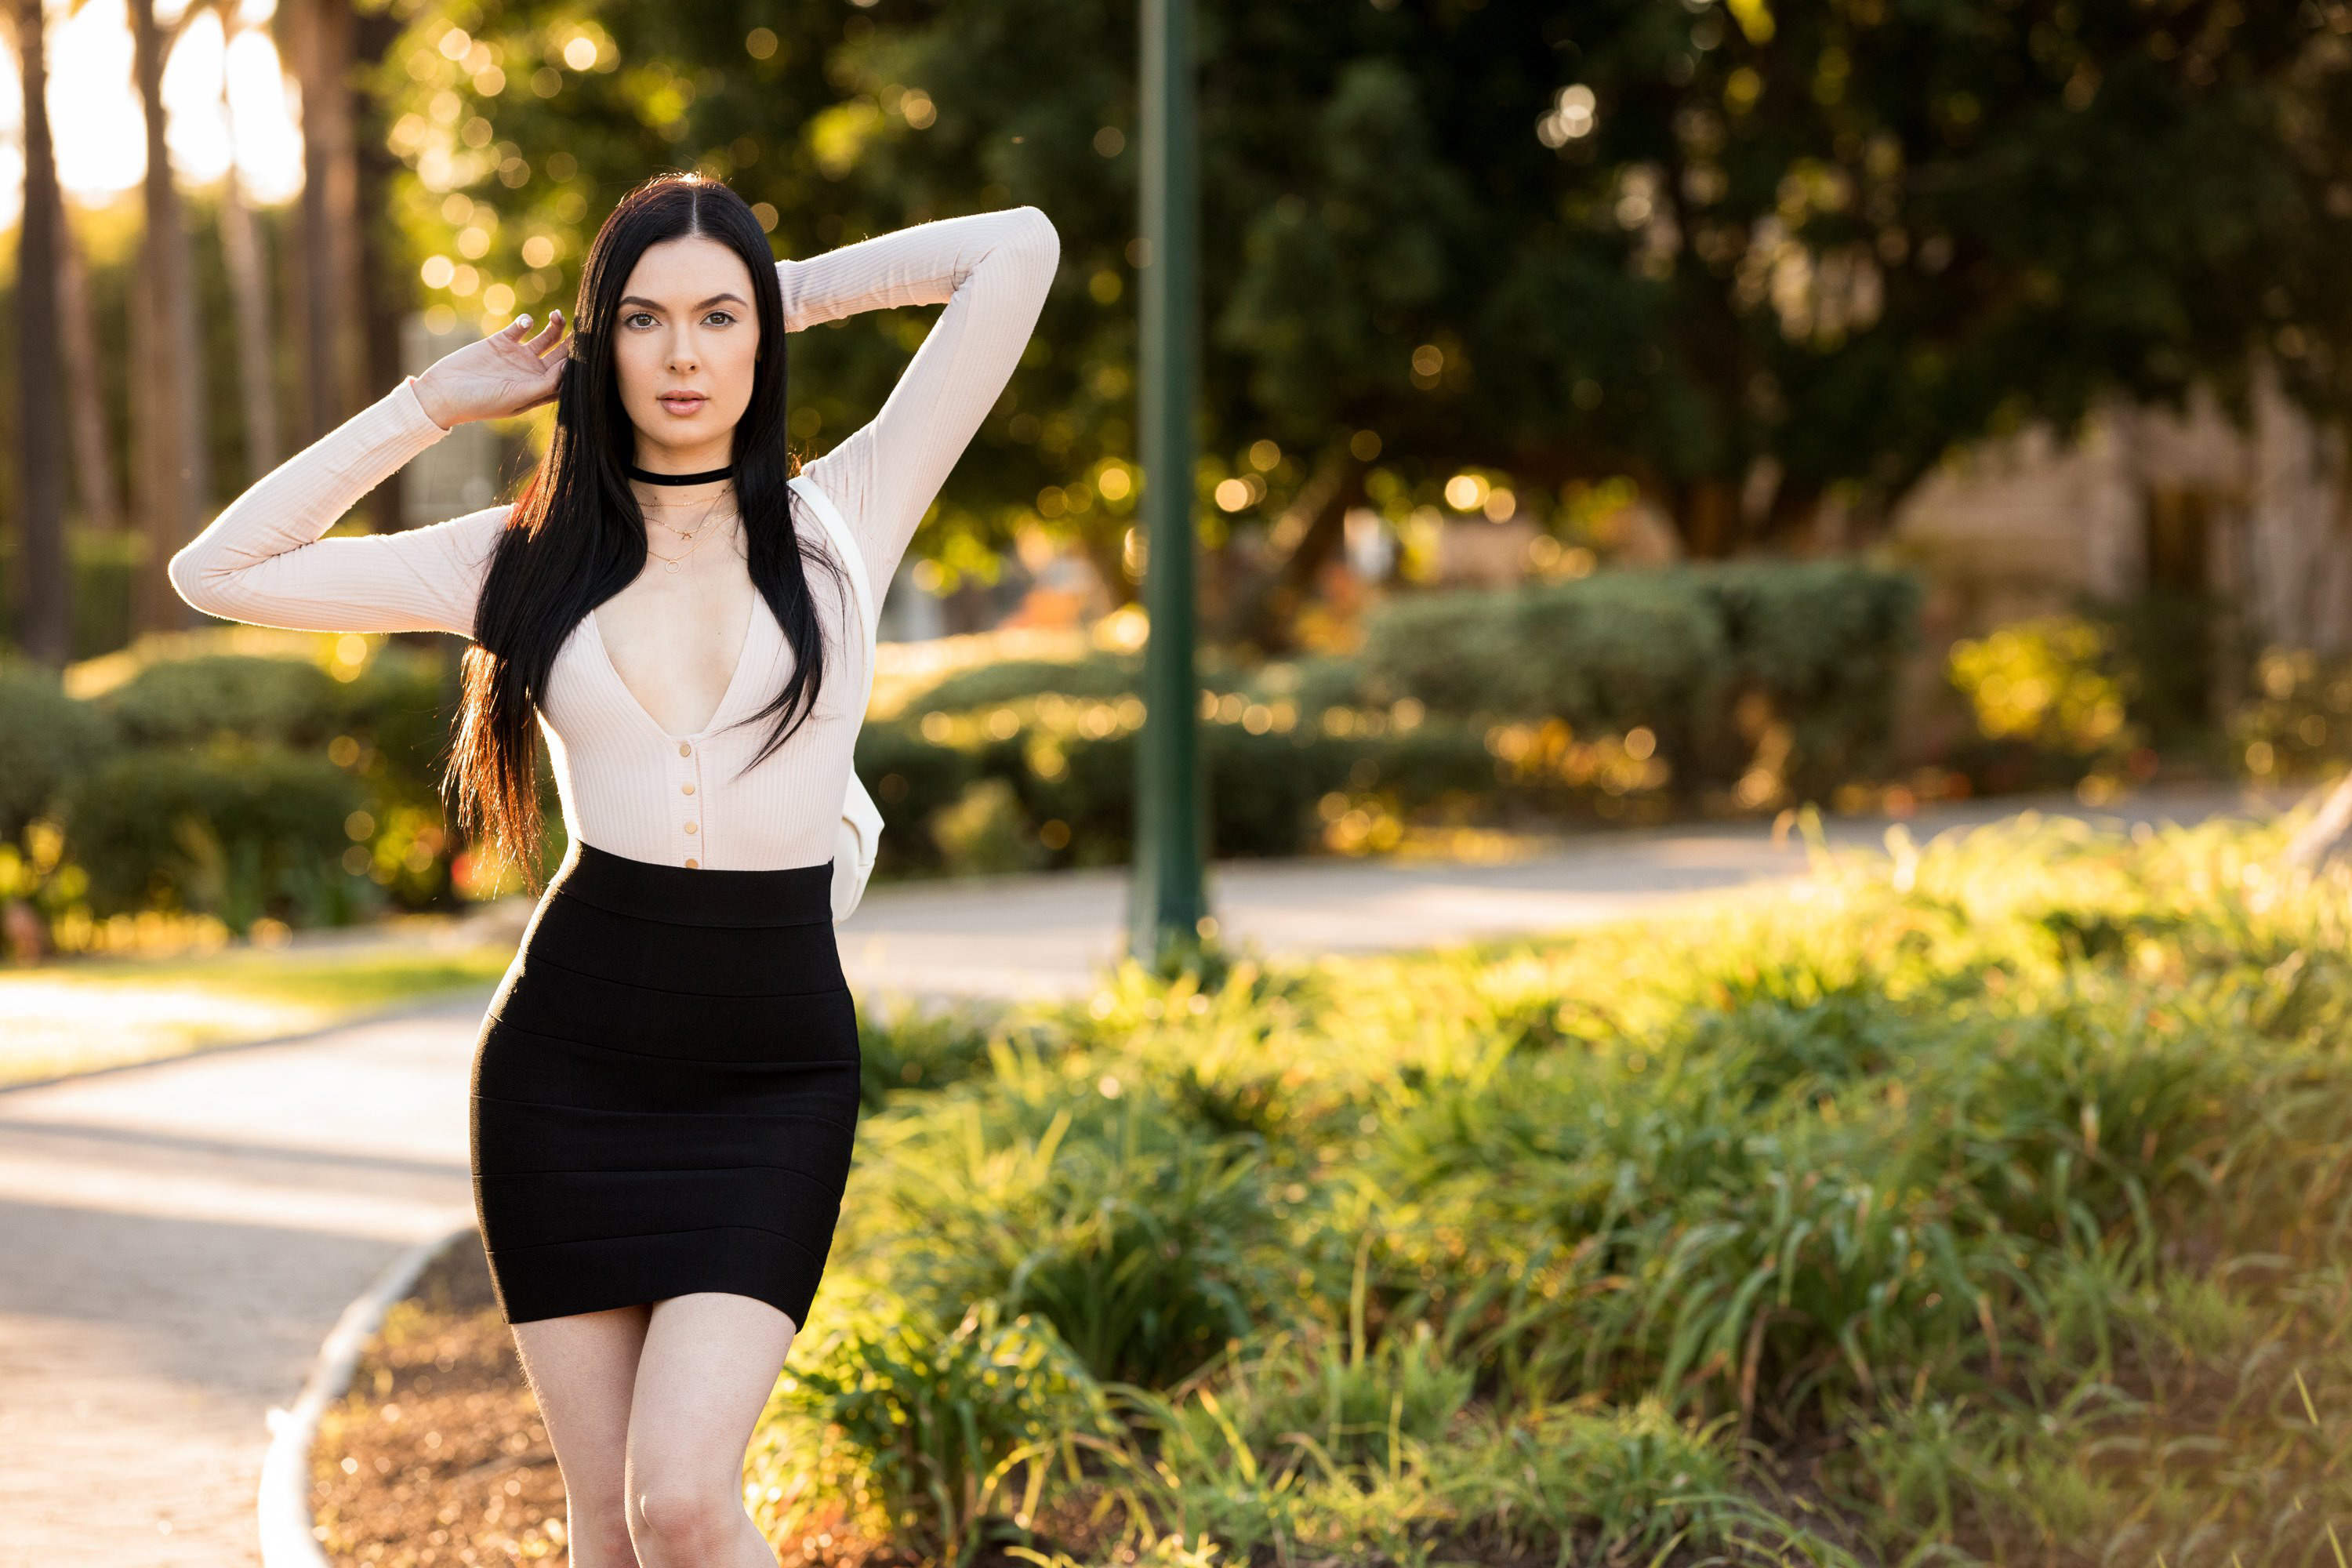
(1166, 905)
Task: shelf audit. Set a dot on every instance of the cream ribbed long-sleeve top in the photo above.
(628, 785)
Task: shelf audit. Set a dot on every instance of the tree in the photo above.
(44, 589)
(93, 452)
(1754, 258)
(316, 40)
(168, 403)
(243, 247)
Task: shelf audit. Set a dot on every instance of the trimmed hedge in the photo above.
(237, 833)
(1717, 661)
(246, 785)
(1684, 651)
(47, 743)
(231, 785)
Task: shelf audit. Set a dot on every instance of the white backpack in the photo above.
(860, 833)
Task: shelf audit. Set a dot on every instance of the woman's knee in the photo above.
(685, 1519)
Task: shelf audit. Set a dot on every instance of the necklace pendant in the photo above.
(673, 568)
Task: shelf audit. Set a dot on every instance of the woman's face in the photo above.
(684, 342)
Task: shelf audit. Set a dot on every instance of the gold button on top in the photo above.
(684, 750)
(689, 827)
(687, 788)
(691, 862)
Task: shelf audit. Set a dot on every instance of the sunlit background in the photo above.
(227, 97)
(1789, 431)
(1844, 406)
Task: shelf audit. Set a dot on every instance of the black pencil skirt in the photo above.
(666, 1090)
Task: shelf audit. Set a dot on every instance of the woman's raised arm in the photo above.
(263, 560)
(992, 270)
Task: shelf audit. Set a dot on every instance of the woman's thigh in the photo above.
(584, 1368)
(711, 1360)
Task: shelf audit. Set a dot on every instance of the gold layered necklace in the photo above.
(693, 537)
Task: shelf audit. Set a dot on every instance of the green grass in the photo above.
(1985, 1201)
(75, 1016)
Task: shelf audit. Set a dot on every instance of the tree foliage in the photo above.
(1751, 255)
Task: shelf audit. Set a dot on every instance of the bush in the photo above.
(1710, 658)
(1264, 787)
(1607, 652)
(1311, 1382)
(1099, 674)
(401, 706)
(984, 830)
(2295, 728)
(48, 743)
(1634, 682)
(1078, 769)
(189, 701)
(1822, 642)
(1142, 1235)
(929, 1437)
(235, 832)
(1071, 766)
(398, 705)
(1315, 682)
(911, 779)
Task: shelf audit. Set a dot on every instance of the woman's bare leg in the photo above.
(709, 1363)
(584, 1368)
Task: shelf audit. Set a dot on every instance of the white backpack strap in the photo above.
(852, 559)
(861, 819)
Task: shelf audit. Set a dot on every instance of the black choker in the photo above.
(705, 477)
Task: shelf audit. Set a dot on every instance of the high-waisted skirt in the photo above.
(666, 1090)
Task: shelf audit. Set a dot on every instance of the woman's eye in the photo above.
(636, 316)
(721, 315)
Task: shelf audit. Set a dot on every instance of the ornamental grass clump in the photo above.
(923, 1435)
(1985, 1199)
(1097, 1203)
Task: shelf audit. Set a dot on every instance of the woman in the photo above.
(665, 1088)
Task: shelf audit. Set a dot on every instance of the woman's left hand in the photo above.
(502, 374)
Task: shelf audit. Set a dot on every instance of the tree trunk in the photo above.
(1790, 517)
(248, 279)
(162, 371)
(93, 448)
(386, 283)
(1264, 617)
(44, 584)
(1706, 514)
(321, 34)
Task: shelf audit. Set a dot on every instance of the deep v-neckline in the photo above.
(734, 678)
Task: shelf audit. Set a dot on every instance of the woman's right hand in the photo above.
(502, 374)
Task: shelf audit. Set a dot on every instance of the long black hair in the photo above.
(576, 535)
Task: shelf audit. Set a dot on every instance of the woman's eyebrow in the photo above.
(640, 299)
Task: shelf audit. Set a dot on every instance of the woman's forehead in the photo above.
(687, 272)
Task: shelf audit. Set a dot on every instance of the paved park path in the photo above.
(175, 1239)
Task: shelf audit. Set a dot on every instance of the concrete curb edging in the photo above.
(284, 1504)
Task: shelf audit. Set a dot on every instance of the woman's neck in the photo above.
(699, 457)
(673, 501)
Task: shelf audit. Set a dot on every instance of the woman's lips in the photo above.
(683, 402)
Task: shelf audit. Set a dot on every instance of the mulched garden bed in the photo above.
(437, 1455)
